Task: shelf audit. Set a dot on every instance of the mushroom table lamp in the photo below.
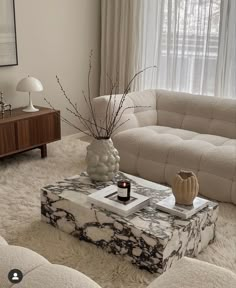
(29, 84)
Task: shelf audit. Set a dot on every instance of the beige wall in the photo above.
(54, 38)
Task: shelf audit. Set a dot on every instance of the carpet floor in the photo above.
(22, 176)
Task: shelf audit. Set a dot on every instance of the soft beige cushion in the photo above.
(191, 273)
(37, 271)
(197, 113)
(51, 276)
(157, 153)
(14, 257)
(137, 116)
(202, 114)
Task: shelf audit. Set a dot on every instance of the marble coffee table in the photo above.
(151, 239)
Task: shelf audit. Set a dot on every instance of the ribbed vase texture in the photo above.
(185, 187)
(102, 160)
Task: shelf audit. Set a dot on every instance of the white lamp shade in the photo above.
(29, 84)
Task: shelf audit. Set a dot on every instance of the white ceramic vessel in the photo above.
(102, 160)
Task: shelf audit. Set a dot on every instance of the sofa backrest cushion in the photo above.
(202, 114)
(139, 109)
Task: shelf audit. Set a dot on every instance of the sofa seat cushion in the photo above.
(37, 271)
(190, 135)
(51, 276)
(18, 257)
(157, 153)
(195, 274)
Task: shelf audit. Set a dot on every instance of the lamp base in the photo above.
(30, 109)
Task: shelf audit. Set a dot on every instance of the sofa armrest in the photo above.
(194, 273)
(3, 241)
(143, 111)
(38, 272)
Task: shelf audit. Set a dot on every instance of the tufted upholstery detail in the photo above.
(138, 117)
(190, 132)
(195, 274)
(197, 113)
(37, 271)
(157, 153)
(202, 114)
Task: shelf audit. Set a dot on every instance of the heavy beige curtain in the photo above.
(120, 24)
(226, 66)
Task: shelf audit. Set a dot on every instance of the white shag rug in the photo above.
(21, 178)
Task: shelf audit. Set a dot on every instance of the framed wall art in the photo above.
(8, 44)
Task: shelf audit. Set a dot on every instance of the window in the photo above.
(182, 38)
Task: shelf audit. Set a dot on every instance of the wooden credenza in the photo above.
(22, 131)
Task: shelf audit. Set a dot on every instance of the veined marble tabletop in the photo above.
(151, 239)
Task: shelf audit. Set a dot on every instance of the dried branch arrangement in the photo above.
(99, 129)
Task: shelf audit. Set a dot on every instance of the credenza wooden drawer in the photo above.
(23, 131)
(7, 138)
(38, 130)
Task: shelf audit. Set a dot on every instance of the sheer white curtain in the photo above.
(181, 38)
(226, 68)
(192, 42)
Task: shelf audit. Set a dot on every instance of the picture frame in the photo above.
(8, 39)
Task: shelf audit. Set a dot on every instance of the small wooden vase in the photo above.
(185, 187)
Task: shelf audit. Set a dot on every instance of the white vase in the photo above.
(102, 160)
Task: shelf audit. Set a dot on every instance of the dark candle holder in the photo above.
(123, 192)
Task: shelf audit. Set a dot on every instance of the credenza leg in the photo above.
(43, 151)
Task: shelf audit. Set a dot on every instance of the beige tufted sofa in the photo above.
(37, 271)
(192, 273)
(178, 131)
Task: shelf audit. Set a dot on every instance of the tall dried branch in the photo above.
(113, 86)
(122, 112)
(121, 124)
(67, 121)
(89, 94)
(100, 128)
(126, 91)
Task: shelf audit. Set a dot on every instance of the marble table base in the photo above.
(138, 237)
